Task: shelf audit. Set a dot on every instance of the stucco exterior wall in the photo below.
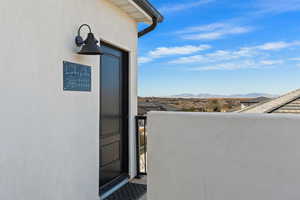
(223, 156)
(49, 146)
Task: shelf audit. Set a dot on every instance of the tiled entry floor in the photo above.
(134, 190)
(143, 181)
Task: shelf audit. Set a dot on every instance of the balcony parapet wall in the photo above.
(223, 156)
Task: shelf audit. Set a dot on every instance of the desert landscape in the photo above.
(147, 104)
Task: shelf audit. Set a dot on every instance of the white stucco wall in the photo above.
(49, 146)
(223, 156)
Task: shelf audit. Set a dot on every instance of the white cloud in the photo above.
(228, 55)
(189, 59)
(175, 7)
(228, 66)
(143, 60)
(213, 31)
(277, 6)
(278, 45)
(183, 50)
(247, 64)
(295, 59)
(271, 62)
(208, 27)
(171, 51)
(204, 36)
(220, 55)
(244, 52)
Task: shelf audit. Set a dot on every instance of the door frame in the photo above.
(125, 122)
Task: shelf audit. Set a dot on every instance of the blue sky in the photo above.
(222, 47)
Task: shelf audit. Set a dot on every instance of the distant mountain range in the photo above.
(204, 95)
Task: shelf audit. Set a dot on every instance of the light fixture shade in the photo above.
(90, 46)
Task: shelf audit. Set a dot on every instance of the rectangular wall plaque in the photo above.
(77, 77)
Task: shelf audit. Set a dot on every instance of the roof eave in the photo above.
(139, 10)
(150, 9)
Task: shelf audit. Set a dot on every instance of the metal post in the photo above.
(145, 146)
(137, 147)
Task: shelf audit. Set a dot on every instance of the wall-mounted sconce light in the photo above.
(89, 45)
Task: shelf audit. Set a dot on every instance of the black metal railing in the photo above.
(141, 145)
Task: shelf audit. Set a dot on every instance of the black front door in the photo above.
(113, 116)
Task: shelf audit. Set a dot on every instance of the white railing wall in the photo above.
(223, 156)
